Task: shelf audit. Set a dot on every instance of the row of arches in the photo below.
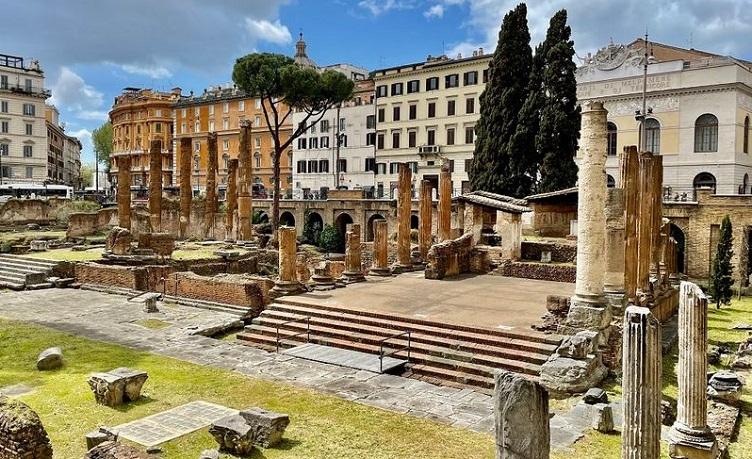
(701, 180)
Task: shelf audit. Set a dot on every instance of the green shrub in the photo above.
(329, 239)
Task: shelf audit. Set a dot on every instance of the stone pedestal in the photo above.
(425, 238)
(522, 418)
(124, 191)
(118, 386)
(690, 436)
(232, 197)
(155, 185)
(287, 282)
(641, 383)
(210, 203)
(404, 211)
(353, 270)
(245, 178)
(445, 204)
(510, 229)
(380, 265)
(186, 193)
(322, 278)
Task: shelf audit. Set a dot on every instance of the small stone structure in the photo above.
(287, 282)
(353, 270)
(50, 359)
(268, 427)
(115, 450)
(186, 192)
(576, 366)
(22, 435)
(522, 419)
(238, 434)
(39, 245)
(99, 436)
(162, 244)
(404, 204)
(118, 386)
(380, 265)
(124, 190)
(322, 278)
(155, 185)
(445, 204)
(452, 258)
(425, 238)
(119, 241)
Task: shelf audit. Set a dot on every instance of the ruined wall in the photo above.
(454, 257)
(552, 220)
(222, 288)
(540, 271)
(560, 252)
(89, 223)
(39, 211)
(133, 277)
(22, 435)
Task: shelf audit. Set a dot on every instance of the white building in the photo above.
(23, 131)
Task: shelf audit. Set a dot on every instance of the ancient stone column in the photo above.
(404, 211)
(641, 385)
(425, 237)
(353, 270)
(245, 178)
(690, 436)
(445, 204)
(155, 185)
(210, 204)
(589, 309)
(630, 168)
(522, 419)
(124, 191)
(232, 196)
(656, 221)
(186, 193)
(287, 282)
(645, 231)
(380, 265)
(615, 247)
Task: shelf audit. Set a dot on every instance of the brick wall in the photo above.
(553, 219)
(162, 244)
(22, 435)
(561, 252)
(133, 277)
(222, 288)
(540, 271)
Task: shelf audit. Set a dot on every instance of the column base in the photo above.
(586, 315)
(323, 282)
(398, 268)
(287, 288)
(687, 443)
(352, 277)
(380, 272)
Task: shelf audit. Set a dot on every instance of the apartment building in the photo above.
(221, 109)
(426, 115)
(139, 116)
(23, 133)
(72, 159)
(55, 145)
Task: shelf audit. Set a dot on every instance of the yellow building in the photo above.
(221, 110)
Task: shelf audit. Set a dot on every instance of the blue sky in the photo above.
(91, 49)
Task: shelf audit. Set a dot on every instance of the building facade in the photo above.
(23, 132)
(344, 136)
(221, 110)
(699, 108)
(55, 146)
(425, 116)
(72, 158)
(139, 116)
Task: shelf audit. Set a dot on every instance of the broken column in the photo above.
(425, 238)
(589, 310)
(380, 265)
(186, 193)
(353, 270)
(245, 177)
(210, 204)
(287, 282)
(155, 185)
(445, 204)
(404, 211)
(645, 229)
(615, 234)
(232, 197)
(641, 385)
(124, 191)
(690, 437)
(522, 419)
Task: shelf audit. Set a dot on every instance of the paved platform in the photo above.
(483, 301)
(345, 358)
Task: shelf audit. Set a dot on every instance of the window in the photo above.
(4, 148)
(211, 109)
(4, 106)
(394, 168)
(196, 127)
(371, 138)
(450, 136)
(196, 111)
(6, 171)
(257, 142)
(413, 86)
(342, 140)
(432, 83)
(610, 181)
(485, 76)
(468, 165)
(611, 138)
(470, 78)
(342, 124)
(706, 133)
(370, 164)
(313, 166)
(412, 138)
(432, 109)
(226, 107)
(4, 127)
(3, 81)
(29, 129)
(27, 84)
(225, 124)
(301, 167)
(342, 165)
(470, 105)
(241, 105)
(745, 145)
(382, 115)
(324, 142)
(452, 81)
(257, 158)
(302, 142)
(27, 151)
(370, 122)
(211, 126)
(450, 107)
(381, 91)
(258, 104)
(396, 113)
(704, 180)
(313, 129)
(225, 161)
(313, 142)
(469, 134)
(380, 141)
(324, 165)
(431, 133)
(324, 125)
(29, 172)
(653, 135)
(381, 169)
(183, 128)
(29, 109)
(397, 89)
(395, 139)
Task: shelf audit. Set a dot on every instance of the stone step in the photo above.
(456, 349)
(17, 277)
(209, 305)
(28, 261)
(11, 283)
(17, 268)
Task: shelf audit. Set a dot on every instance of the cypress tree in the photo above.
(559, 131)
(720, 277)
(495, 164)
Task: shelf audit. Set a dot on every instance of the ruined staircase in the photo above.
(18, 272)
(450, 354)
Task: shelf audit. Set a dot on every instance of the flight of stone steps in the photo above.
(18, 272)
(441, 353)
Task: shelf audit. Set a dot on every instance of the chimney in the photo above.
(480, 51)
(475, 53)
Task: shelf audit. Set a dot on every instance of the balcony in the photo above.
(429, 150)
(35, 91)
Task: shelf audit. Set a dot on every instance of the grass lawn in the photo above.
(96, 254)
(322, 426)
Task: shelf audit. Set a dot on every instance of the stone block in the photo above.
(117, 386)
(603, 418)
(725, 386)
(99, 436)
(233, 434)
(584, 316)
(50, 359)
(572, 376)
(209, 454)
(594, 396)
(521, 418)
(115, 450)
(578, 346)
(267, 426)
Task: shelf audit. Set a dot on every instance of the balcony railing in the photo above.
(23, 89)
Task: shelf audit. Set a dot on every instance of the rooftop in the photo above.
(552, 194)
(431, 62)
(17, 62)
(495, 201)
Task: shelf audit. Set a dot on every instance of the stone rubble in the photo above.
(50, 359)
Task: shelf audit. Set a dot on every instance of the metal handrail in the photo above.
(307, 332)
(381, 348)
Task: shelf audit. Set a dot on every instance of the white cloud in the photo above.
(83, 135)
(436, 11)
(71, 93)
(92, 115)
(272, 32)
(379, 7)
(152, 71)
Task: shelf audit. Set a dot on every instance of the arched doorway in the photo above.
(313, 226)
(287, 219)
(414, 222)
(260, 216)
(610, 181)
(341, 223)
(704, 180)
(678, 235)
(370, 232)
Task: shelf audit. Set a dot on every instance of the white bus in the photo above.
(27, 190)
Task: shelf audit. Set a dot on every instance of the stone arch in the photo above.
(286, 218)
(704, 180)
(341, 222)
(610, 181)
(681, 244)
(314, 224)
(369, 227)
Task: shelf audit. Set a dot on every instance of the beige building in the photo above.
(699, 110)
(425, 115)
(23, 132)
(72, 160)
(55, 146)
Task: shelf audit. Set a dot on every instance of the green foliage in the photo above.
(329, 240)
(720, 277)
(101, 138)
(87, 175)
(559, 130)
(311, 229)
(495, 164)
(74, 207)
